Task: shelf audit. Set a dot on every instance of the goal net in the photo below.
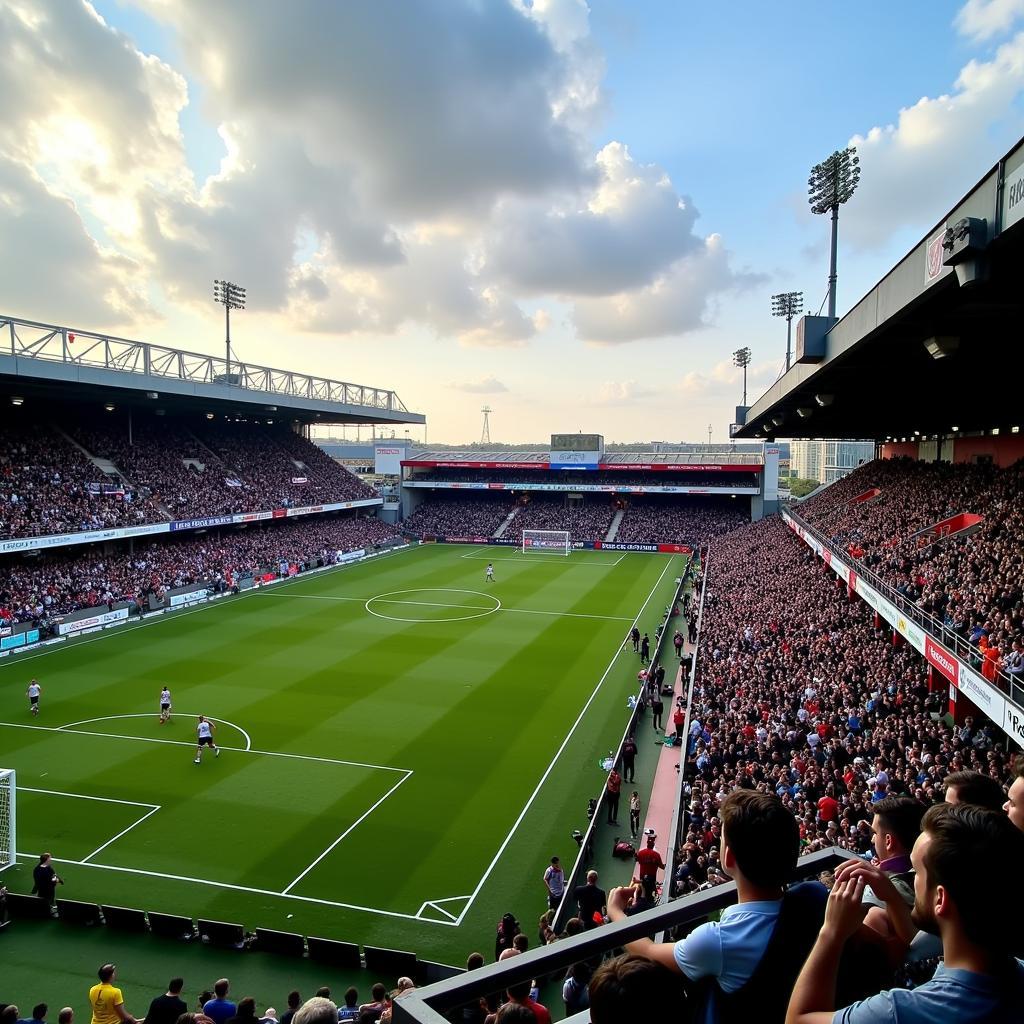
(552, 542)
(7, 830)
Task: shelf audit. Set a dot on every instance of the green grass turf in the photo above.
(394, 745)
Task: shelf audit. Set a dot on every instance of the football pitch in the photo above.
(403, 744)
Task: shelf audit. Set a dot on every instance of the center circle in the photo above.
(425, 602)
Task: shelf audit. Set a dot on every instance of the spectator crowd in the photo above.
(50, 585)
(103, 474)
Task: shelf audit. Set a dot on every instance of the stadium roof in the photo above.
(36, 358)
(922, 352)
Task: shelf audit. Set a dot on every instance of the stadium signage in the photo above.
(92, 621)
(177, 600)
(652, 467)
(937, 656)
(59, 540)
(483, 485)
(202, 523)
(984, 696)
(933, 256)
(1013, 197)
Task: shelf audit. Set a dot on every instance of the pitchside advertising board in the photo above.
(577, 545)
(962, 678)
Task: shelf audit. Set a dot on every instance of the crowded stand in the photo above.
(971, 581)
(465, 515)
(585, 520)
(41, 588)
(797, 693)
(45, 487)
(162, 469)
(692, 521)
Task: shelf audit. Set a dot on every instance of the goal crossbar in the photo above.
(552, 542)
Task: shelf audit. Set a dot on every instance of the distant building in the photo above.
(826, 461)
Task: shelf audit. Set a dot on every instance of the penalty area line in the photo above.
(241, 888)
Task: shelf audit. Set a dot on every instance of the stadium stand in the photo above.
(465, 515)
(969, 580)
(88, 475)
(49, 585)
(693, 521)
(585, 520)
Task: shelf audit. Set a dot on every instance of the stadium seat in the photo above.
(172, 926)
(30, 908)
(287, 943)
(75, 912)
(222, 933)
(390, 963)
(124, 919)
(343, 955)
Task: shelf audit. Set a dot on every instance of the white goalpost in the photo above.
(550, 542)
(8, 832)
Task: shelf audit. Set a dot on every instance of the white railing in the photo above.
(27, 339)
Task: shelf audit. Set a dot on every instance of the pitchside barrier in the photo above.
(432, 1004)
(22, 637)
(584, 859)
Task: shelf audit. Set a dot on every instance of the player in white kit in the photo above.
(489, 578)
(34, 690)
(204, 733)
(165, 705)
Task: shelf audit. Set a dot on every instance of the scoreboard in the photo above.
(577, 443)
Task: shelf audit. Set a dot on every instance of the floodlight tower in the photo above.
(485, 434)
(741, 357)
(832, 183)
(789, 305)
(230, 296)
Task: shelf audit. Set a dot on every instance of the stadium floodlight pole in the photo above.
(741, 357)
(789, 305)
(832, 183)
(230, 296)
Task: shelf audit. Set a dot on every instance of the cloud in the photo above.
(680, 299)
(50, 269)
(981, 20)
(483, 386)
(918, 167)
(621, 392)
(632, 226)
(725, 378)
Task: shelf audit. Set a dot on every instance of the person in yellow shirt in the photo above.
(106, 1001)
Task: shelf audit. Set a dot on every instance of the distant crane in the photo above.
(485, 434)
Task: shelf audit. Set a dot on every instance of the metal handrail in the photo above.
(29, 339)
(938, 629)
(428, 1005)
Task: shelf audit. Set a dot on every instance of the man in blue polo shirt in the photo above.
(967, 861)
(743, 966)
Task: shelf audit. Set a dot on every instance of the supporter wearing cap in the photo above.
(975, 912)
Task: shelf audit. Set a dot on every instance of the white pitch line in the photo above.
(58, 730)
(183, 714)
(302, 874)
(82, 796)
(240, 888)
(457, 607)
(558, 754)
(124, 831)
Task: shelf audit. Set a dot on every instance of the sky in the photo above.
(572, 213)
